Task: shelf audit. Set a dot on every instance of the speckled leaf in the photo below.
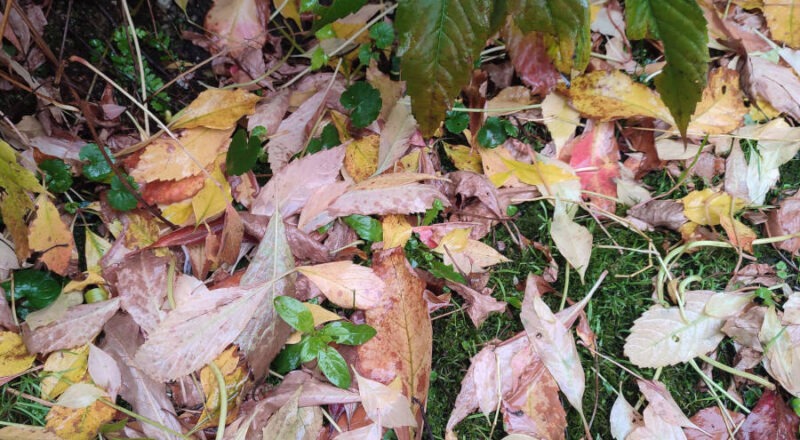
(440, 41)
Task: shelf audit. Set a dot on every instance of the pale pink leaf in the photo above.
(713, 422)
(78, 326)
(404, 199)
(370, 432)
(269, 112)
(623, 418)
(479, 305)
(663, 404)
(384, 405)
(141, 281)
(777, 85)
(346, 284)
(315, 213)
(656, 427)
(293, 132)
(104, 371)
(236, 25)
(572, 240)
(396, 135)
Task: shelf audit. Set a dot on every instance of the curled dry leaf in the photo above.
(346, 284)
(78, 326)
(479, 305)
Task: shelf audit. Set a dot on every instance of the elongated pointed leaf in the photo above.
(680, 25)
(442, 40)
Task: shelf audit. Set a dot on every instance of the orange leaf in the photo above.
(50, 236)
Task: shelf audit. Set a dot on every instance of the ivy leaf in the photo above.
(456, 121)
(33, 289)
(294, 313)
(364, 101)
(97, 170)
(347, 333)
(440, 40)
(681, 27)
(565, 24)
(242, 154)
(365, 226)
(119, 197)
(57, 175)
(493, 132)
(383, 34)
(334, 367)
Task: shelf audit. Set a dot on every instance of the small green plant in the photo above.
(456, 121)
(97, 169)
(419, 255)
(329, 138)
(33, 290)
(364, 101)
(244, 151)
(365, 226)
(315, 343)
(495, 131)
(56, 175)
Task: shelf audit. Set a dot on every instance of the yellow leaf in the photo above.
(454, 241)
(345, 29)
(721, 109)
(50, 236)
(79, 423)
(495, 169)
(561, 119)
(783, 18)
(465, 254)
(178, 213)
(410, 162)
(320, 314)
(235, 374)
(14, 356)
(464, 158)
(211, 200)
(15, 204)
(17, 432)
(346, 284)
(96, 247)
(142, 231)
(63, 368)
(216, 108)
(396, 231)
(91, 278)
(538, 173)
(705, 207)
(738, 233)
(361, 157)
(290, 10)
(613, 95)
(164, 159)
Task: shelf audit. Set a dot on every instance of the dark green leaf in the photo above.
(119, 197)
(365, 226)
(337, 10)
(347, 333)
(364, 101)
(334, 367)
(311, 348)
(242, 154)
(288, 359)
(565, 24)
(365, 54)
(295, 313)
(57, 175)
(682, 29)
(440, 40)
(492, 133)
(33, 289)
(308, 5)
(456, 121)
(510, 129)
(445, 271)
(383, 34)
(97, 169)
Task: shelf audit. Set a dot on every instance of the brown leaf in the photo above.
(402, 347)
(469, 184)
(528, 53)
(146, 396)
(713, 422)
(660, 213)
(777, 85)
(396, 135)
(141, 282)
(49, 235)
(479, 305)
(78, 326)
(770, 419)
(167, 192)
(237, 25)
(292, 187)
(784, 221)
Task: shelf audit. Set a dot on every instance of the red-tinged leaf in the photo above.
(784, 221)
(78, 326)
(292, 187)
(141, 282)
(770, 419)
(265, 333)
(528, 53)
(713, 422)
(597, 149)
(479, 305)
(402, 347)
(663, 404)
(402, 199)
(346, 284)
(237, 25)
(269, 112)
(146, 396)
(534, 408)
(188, 235)
(167, 192)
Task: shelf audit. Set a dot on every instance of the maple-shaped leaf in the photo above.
(216, 108)
(237, 25)
(598, 150)
(442, 39)
(681, 27)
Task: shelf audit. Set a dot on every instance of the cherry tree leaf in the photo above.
(605, 96)
(662, 403)
(104, 371)
(781, 355)
(166, 159)
(721, 108)
(623, 418)
(713, 422)
(237, 25)
(528, 53)
(388, 194)
(78, 326)
(141, 282)
(346, 284)
(775, 84)
(598, 150)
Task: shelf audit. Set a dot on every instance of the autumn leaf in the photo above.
(396, 231)
(464, 158)
(216, 108)
(528, 53)
(15, 357)
(63, 368)
(783, 18)
(79, 423)
(170, 159)
(78, 326)
(49, 235)
(598, 150)
(237, 25)
(346, 284)
(384, 404)
(707, 206)
(16, 180)
(234, 375)
(395, 136)
(721, 108)
(361, 157)
(561, 119)
(572, 240)
(613, 95)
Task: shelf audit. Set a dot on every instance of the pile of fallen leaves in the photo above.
(202, 279)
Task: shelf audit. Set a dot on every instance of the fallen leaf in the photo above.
(467, 255)
(63, 368)
(16, 180)
(529, 56)
(777, 144)
(81, 395)
(623, 418)
(572, 240)
(707, 206)
(141, 282)
(721, 109)
(396, 135)
(662, 403)
(293, 422)
(346, 284)
(508, 100)
(54, 311)
(714, 423)
(385, 405)
(781, 355)
(15, 357)
(560, 119)
(193, 151)
(538, 173)
(104, 371)
(613, 95)
(783, 17)
(464, 158)
(361, 157)
(656, 426)
(269, 111)
(237, 25)
(49, 235)
(785, 221)
(479, 305)
(771, 418)
(402, 346)
(216, 108)
(396, 231)
(234, 374)
(79, 423)
(213, 198)
(775, 84)
(78, 326)
(390, 90)
(598, 150)
(375, 196)
(738, 233)
(16, 432)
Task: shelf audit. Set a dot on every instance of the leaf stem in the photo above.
(757, 379)
(142, 418)
(495, 110)
(223, 400)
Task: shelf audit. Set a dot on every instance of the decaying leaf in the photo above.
(597, 152)
(783, 17)
(707, 206)
(167, 159)
(15, 357)
(63, 368)
(572, 240)
(771, 418)
(216, 108)
(385, 405)
(781, 355)
(662, 403)
(785, 221)
(712, 422)
(721, 109)
(78, 326)
(234, 375)
(237, 25)
(346, 284)
(612, 95)
(623, 418)
(49, 235)
(396, 135)
(561, 119)
(16, 180)
(79, 423)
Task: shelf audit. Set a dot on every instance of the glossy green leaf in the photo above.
(383, 34)
(288, 359)
(493, 133)
(337, 10)
(456, 121)
(365, 226)
(440, 40)
(364, 101)
(96, 169)
(57, 175)
(334, 367)
(445, 271)
(33, 289)
(294, 313)
(311, 348)
(119, 197)
(565, 24)
(347, 333)
(681, 27)
(243, 153)
(318, 58)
